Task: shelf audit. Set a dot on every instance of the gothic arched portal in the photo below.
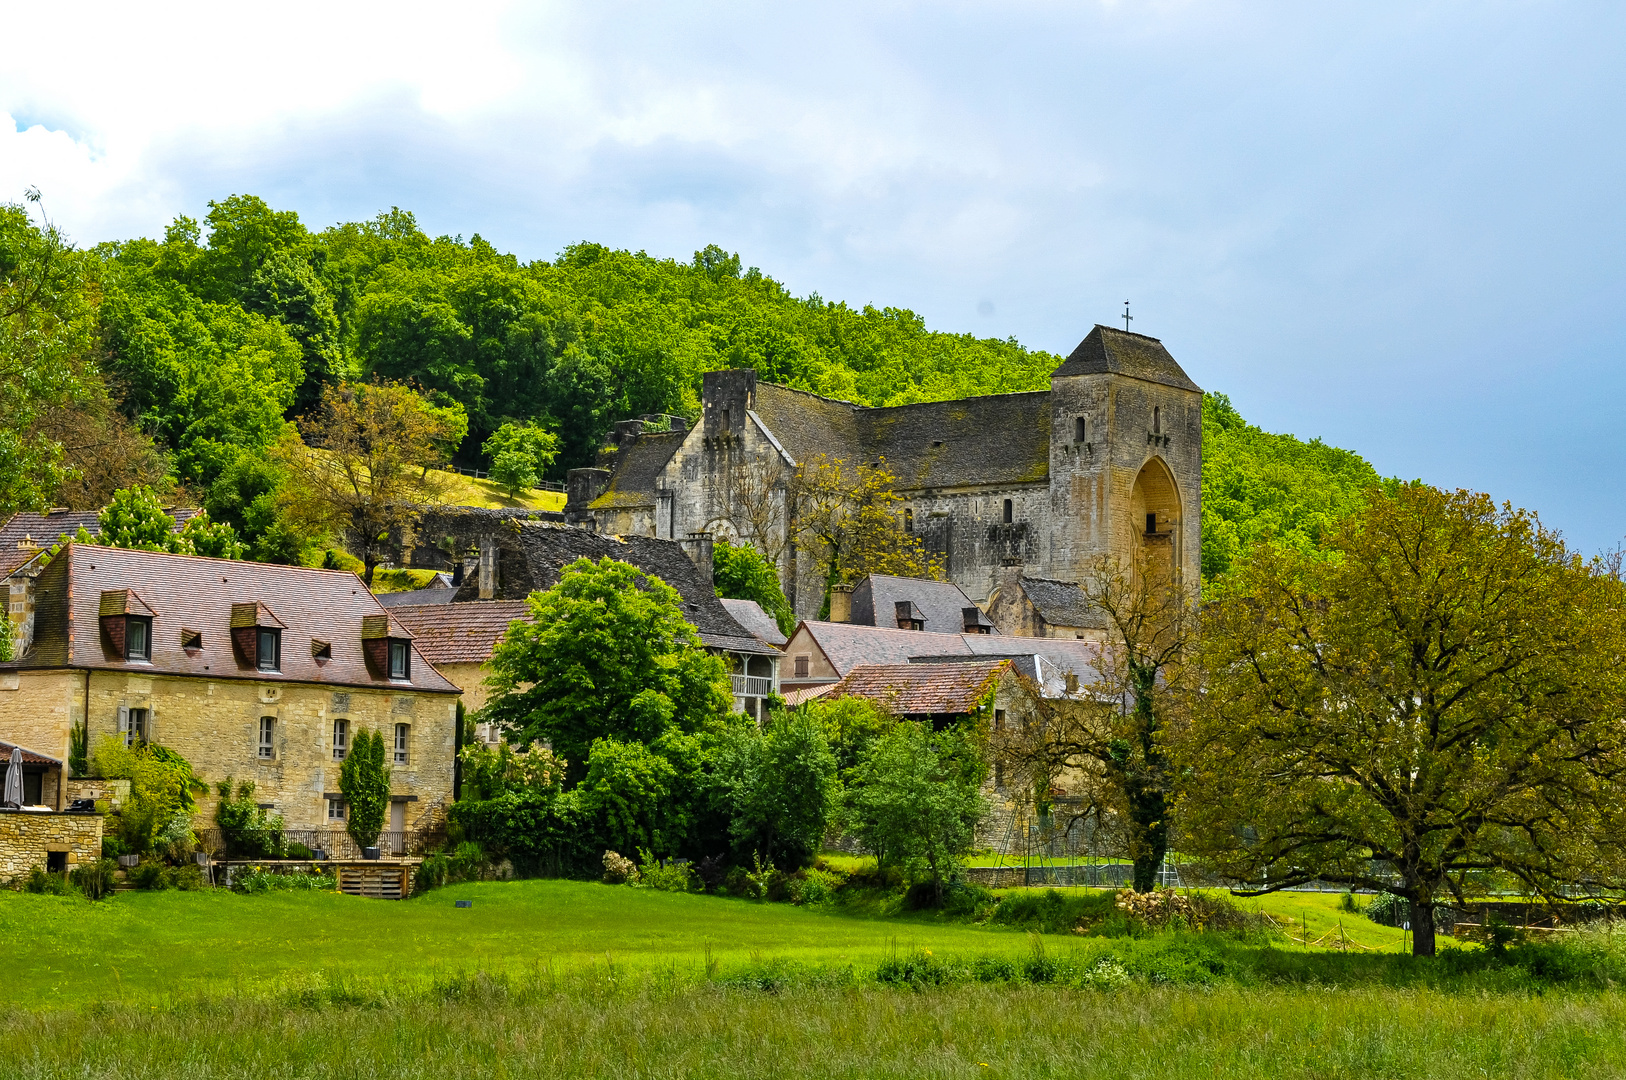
(1154, 520)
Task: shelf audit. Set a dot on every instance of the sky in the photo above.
(1395, 226)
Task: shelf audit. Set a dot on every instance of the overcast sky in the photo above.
(1396, 226)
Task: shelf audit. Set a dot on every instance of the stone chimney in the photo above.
(841, 603)
(697, 546)
(582, 486)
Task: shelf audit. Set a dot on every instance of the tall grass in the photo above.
(984, 1031)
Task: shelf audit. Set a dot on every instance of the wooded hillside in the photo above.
(189, 354)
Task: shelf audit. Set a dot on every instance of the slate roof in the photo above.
(198, 594)
(848, 645)
(749, 614)
(807, 425)
(999, 439)
(12, 561)
(1118, 352)
(550, 548)
(1061, 603)
(417, 598)
(459, 633)
(45, 529)
(638, 465)
(941, 602)
(922, 689)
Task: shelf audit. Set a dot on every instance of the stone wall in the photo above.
(37, 709)
(27, 839)
(215, 725)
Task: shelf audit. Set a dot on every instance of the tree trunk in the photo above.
(1422, 928)
(371, 565)
(1147, 816)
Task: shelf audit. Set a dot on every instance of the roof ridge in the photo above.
(216, 559)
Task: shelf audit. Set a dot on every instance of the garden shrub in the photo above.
(148, 875)
(466, 862)
(364, 780)
(618, 869)
(249, 831)
(44, 883)
(113, 847)
(672, 875)
(95, 879)
(158, 812)
(256, 881)
(297, 851)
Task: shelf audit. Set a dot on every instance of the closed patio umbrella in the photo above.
(14, 778)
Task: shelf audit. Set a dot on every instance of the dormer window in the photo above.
(909, 616)
(256, 636)
(268, 652)
(387, 648)
(137, 638)
(126, 626)
(400, 652)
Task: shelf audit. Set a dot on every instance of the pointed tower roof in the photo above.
(1118, 352)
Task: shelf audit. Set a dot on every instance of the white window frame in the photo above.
(274, 661)
(404, 651)
(145, 655)
(135, 725)
(403, 741)
(341, 737)
(337, 810)
(268, 734)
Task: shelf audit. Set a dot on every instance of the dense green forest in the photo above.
(178, 361)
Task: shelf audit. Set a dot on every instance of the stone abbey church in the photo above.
(1011, 487)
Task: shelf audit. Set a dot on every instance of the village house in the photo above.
(1107, 462)
(505, 555)
(248, 670)
(821, 654)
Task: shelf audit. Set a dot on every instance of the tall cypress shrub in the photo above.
(364, 780)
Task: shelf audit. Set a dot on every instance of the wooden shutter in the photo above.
(124, 723)
(151, 734)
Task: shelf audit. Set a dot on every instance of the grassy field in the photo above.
(556, 978)
(1001, 1032)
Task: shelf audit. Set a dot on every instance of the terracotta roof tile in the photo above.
(464, 633)
(923, 689)
(29, 756)
(191, 593)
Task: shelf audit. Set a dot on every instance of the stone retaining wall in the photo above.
(27, 839)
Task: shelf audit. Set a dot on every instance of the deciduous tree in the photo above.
(1430, 705)
(846, 516)
(1111, 732)
(359, 469)
(606, 653)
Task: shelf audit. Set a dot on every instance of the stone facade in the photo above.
(1108, 462)
(30, 839)
(202, 687)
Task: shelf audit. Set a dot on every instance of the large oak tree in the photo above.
(1431, 705)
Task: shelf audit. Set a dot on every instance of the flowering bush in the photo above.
(618, 869)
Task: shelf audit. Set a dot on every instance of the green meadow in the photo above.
(557, 978)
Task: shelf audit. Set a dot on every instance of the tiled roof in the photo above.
(550, 548)
(45, 529)
(1105, 350)
(749, 614)
(198, 594)
(847, 645)
(417, 597)
(11, 561)
(29, 756)
(941, 602)
(1061, 603)
(806, 694)
(459, 633)
(923, 689)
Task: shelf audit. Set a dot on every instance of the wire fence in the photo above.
(482, 474)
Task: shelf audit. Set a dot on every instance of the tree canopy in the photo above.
(1428, 706)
